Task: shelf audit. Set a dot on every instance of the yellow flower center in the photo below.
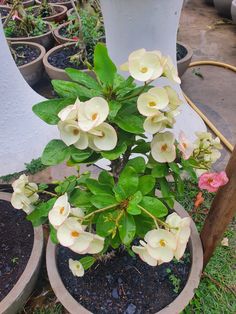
(162, 243)
(75, 131)
(144, 69)
(75, 234)
(210, 180)
(185, 145)
(62, 210)
(94, 116)
(164, 147)
(152, 104)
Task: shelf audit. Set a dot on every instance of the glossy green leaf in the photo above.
(116, 152)
(138, 163)
(79, 198)
(40, 211)
(106, 223)
(79, 155)
(103, 200)
(166, 192)
(67, 185)
(55, 153)
(83, 78)
(154, 206)
(87, 262)
(119, 192)
(160, 170)
(127, 228)
(146, 184)
(128, 181)
(114, 107)
(132, 208)
(53, 235)
(106, 178)
(97, 188)
(131, 124)
(174, 167)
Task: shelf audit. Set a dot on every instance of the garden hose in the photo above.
(227, 144)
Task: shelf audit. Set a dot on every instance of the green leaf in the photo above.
(138, 163)
(120, 194)
(114, 107)
(53, 235)
(132, 208)
(79, 198)
(129, 82)
(166, 192)
(67, 185)
(146, 184)
(87, 262)
(55, 153)
(40, 211)
(83, 78)
(143, 225)
(115, 241)
(160, 170)
(127, 228)
(179, 184)
(104, 68)
(97, 188)
(131, 124)
(116, 152)
(154, 206)
(48, 110)
(106, 223)
(103, 200)
(128, 181)
(79, 155)
(106, 178)
(142, 147)
(174, 167)
(73, 90)
(135, 92)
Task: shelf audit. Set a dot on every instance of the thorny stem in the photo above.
(99, 211)
(41, 191)
(156, 220)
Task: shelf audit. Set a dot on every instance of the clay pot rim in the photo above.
(36, 45)
(176, 306)
(45, 58)
(189, 54)
(69, 12)
(62, 7)
(57, 34)
(16, 39)
(61, 3)
(30, 268)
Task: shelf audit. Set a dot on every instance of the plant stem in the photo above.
(156, 220)
(138, 94)
(99, 211)
(49, 193)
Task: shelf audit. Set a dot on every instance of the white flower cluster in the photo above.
(162, 245)
(24, 195)
(82, 124)
(70, 232)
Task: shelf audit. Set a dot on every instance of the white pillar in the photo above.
(150, 24)
(22, 134)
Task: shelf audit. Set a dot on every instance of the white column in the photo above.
(22, 134)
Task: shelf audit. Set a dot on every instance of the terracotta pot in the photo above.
(175, 307)
(60, 39)
(65, 3)
(57, 17)
(32, 71)
(223, 7)
(23, 288)
(28, 3)
(183, 63)
(7, 8)
(56, 73)
(233, 11)
(70, 12)
(46, 40)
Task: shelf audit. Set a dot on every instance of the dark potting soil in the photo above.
(16, 243)
(4, 12)
(181, 52)
(25, 54)
(61, 59)
(124, 284)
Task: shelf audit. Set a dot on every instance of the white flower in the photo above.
(77, 212)
(180, 227)
(25, 194)
(143, 65)
(154, 100)
(157, 123)
(163, 148)
(159, 247)
(174, 100)
(169, 70)
(76, 267)
(102, 137)
(60, 211)
(185, 146)
(92, 113)
(70, 112)
(71, 234)
(71, 134)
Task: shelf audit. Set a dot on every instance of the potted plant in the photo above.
(4, 11)
(184, 57)
(20, 26)
(49, 12)
(29, 59)
(116, 231)
(21, 251)
(25, 3)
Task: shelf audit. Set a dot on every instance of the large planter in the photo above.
(53, 72)
(46, 40)
(186, 54)
(59, 38)
(223, 7)
(233, 11)
(5, 9)
(21, 291)
(32, 71)
(57, 17)
(66, 3)
(175, 307)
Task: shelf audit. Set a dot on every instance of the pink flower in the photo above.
(15, 16)
(212, 181)
(185, 146)
(75, 38)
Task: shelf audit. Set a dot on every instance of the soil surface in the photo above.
(25, 54)
(44, 13)
(181, 52)
(4, 12)
(61, 59)
(16, 243)
(124, 284)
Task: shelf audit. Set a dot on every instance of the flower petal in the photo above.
(108, 138)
